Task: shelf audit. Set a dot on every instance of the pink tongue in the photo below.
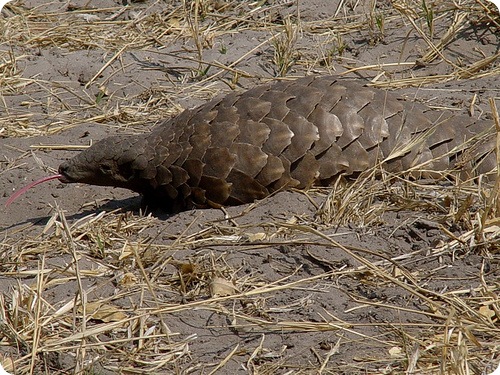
(18, 193)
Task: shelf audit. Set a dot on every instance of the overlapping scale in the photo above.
(246, 145)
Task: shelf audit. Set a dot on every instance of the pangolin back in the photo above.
(242, 147)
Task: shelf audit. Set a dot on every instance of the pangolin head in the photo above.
(112, 161)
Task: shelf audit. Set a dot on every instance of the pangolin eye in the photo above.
(106, 168)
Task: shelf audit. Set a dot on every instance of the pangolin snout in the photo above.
(63, 171)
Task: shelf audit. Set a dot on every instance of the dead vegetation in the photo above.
(107, 293)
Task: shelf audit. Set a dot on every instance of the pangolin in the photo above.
(241, 147)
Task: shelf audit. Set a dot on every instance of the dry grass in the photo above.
(128, 327)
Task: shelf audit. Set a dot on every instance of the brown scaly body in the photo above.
(242, 147)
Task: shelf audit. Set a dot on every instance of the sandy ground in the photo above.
(330, 312)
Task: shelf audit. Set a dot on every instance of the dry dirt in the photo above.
(269, 288)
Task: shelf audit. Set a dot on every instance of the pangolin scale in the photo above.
(243, 146)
